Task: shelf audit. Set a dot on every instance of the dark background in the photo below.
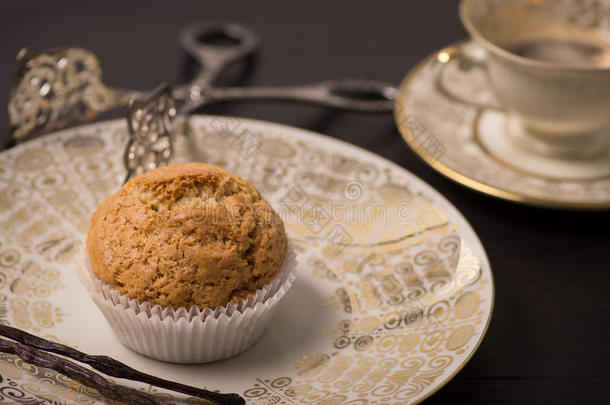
(548, 341)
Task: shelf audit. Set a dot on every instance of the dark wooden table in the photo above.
(549, 340)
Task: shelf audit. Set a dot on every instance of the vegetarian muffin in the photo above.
(187, 263)
(186, 234)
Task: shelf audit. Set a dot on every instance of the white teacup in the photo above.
(548, 62)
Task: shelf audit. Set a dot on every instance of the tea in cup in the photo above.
(548, 63)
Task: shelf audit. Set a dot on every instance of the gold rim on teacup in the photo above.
(563, 111)
(482, 39)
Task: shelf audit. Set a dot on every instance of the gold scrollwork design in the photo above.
(423, 379)
(33, 159)
(38, 390)
(403, 268)
(342, 164)
(395, 193)
(388, 285)
(413, 315)
(426, 258)
(386, 343)
(277, 148)
(9, 258)
(13, 193)
(409, 391)
(43, 313)
(6, 173)
(415, 292)
(301, 389)
(50, 274)
(450, 244)
(431, 218)
(335, 369)
(321, 182)
(342, 342)
(392, 320)
(9, 370)
(367, 173)
(459, 337)
(412, 363)
(334, 399)
(440, 362)
(12, 392)
(374, 377)
(311, 367)
(30, 269)
(67, 200)
(433, 336)
(396, 299)
(26, 367)
(368, 295)
(255, 392)
(49, 180)
(47, 381)
(442, 285)
(96, 167)
(83, 144)
(20, 286)
(312, 157)
(19, 310)
(467, 277)
(439, 311)
(408, 342)
(369, 323)
(359, 401)
(363, 342)
(466, 305)
(281, 382)
(392, 382)
(345, 325)
(42, 291)
(315, 397)
(323, 397)
(352, 376)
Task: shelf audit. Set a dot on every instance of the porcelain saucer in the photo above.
(479, 145)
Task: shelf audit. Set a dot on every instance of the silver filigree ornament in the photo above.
(150, 125)
(60, 87)
(57, 88)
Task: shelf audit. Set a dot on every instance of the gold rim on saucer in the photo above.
(443, 132)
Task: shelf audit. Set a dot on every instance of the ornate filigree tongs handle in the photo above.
(150, 125)
(60, 87)
(55, 89)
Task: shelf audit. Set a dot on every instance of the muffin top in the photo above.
(186, 234)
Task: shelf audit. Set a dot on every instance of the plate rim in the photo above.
(455, 175)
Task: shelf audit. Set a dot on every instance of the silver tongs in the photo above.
(64, 86)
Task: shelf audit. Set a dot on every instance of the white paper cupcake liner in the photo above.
(188, 335)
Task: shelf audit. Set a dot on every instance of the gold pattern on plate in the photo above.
(411, 301)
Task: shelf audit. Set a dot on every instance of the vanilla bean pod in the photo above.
(79, 373)
(114, 368)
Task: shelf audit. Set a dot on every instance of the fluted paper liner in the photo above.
(188, 335)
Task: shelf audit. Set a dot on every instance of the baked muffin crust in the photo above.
(186, 234)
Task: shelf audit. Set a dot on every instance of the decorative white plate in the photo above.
(480, 147)
(393, 296)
